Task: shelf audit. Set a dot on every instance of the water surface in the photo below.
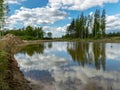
(71, 65)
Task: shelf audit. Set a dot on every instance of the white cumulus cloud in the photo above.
(79, 4)
(35, 16)
(14, 1)
(56, 31)
(54, 11)
(113, 23)
(56, 66)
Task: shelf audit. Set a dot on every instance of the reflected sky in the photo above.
(72, 65)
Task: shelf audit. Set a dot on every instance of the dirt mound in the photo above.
(14, 78)
(12, 39)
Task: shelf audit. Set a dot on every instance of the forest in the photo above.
(91, 26)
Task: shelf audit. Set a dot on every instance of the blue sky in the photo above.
(56, 15)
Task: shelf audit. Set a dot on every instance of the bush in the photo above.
(28, 38)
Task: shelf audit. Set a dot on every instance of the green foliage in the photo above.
(31, 49)
(2, 61)
(3, 14)
(71, 29)
(49, 34)
(92, 26)
(28, 33)
(3, 68)
(103, 22)
(77, 27)
(114, 34)
(28, 38)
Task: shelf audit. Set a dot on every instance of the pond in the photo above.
(71, 65)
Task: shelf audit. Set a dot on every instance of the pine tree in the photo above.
(71, 29)
(84, 26)
(96, 26)
(77, 27)
(90, 23)
(103, 23)
(72, 26)
(81, 25)
(86, 32)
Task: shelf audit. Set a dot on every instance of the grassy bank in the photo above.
(3, 69)
(102, 40)
(106, 39)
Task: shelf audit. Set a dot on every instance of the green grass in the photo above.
(3, 68)
(28, 38)
(3, 61)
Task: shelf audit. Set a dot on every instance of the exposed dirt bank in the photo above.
(13, 76)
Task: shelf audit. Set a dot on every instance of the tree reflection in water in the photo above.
(54, 65)
(36, 48)
(88, 53)
(31, 49)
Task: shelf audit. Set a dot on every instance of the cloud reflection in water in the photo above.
(59, 73)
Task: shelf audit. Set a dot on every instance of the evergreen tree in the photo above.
(86, 32)
(96, 26)
(85, 27)
(90, 23)
(81, 25)
(77, 27)
(91, 26)
(71, 29)
(103, 23)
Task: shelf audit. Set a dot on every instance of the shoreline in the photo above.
(104, 40)
(13, 76)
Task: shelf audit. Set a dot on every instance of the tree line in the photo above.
(30, 33)
(91, 26)
(113, 34)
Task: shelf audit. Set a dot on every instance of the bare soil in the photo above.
(13, 76)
